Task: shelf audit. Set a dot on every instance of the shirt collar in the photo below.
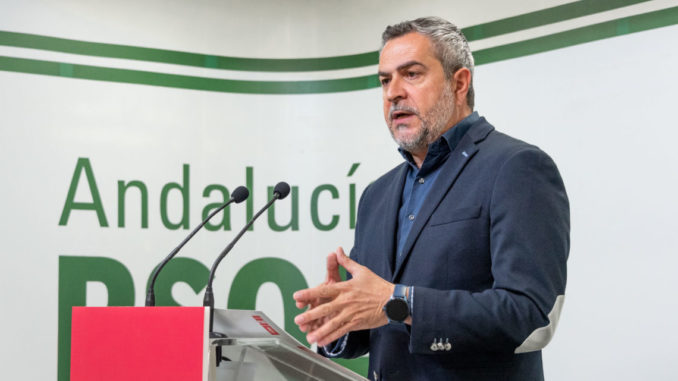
(439, 149)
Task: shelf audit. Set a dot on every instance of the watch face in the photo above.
(397, 310)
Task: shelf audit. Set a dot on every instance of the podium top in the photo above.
(251, 338)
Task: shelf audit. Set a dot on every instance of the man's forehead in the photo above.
(405, 49)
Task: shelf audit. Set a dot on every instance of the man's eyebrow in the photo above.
(401, 67)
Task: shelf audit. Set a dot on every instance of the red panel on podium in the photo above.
(137, 343)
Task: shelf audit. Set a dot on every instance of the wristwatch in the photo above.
(397, 309)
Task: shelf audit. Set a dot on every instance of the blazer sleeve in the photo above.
(529, 244)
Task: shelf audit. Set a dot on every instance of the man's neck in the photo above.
(420, 154)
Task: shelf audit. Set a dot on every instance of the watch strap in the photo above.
(400, 294)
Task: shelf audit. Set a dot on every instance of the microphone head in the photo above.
(240, 194)
(282, 189)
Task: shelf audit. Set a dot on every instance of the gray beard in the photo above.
(433, 123)
(417, 142)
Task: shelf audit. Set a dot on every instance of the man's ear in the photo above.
(461, 81)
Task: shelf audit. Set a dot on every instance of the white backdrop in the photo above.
(602, 110)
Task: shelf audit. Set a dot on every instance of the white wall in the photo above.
(602, 110)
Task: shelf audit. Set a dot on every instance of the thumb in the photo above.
(350, 265)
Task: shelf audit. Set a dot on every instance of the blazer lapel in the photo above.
(449, 172)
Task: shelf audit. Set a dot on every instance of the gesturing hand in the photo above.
(339, 307)
(332, 277)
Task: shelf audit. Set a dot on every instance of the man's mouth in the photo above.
(400, 115)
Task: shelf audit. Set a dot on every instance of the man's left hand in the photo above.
(352, 305)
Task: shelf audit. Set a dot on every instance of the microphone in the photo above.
(239, 195)
(281, 190)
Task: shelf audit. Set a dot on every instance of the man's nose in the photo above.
(395, 90)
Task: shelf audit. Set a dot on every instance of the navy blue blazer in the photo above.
(487, 259)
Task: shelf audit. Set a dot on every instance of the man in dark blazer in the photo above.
(458, 267)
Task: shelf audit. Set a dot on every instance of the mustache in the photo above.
(395, 107)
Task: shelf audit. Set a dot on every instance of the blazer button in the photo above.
(441, 346)
(434, 346)
(448, 346)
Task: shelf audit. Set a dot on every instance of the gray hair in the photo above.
(449, 45)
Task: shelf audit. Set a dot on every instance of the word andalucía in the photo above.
(84, 167)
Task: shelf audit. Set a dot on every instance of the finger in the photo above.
(331, 330)
(315, 325)
(332, 269)
(306, 328)
(319, 312)
(303, 296)
(327, 340)
(308, 295)
(350, 265)
(310, 323)
(310, 326)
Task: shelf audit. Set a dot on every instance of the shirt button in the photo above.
(411, 217)
(421, 180)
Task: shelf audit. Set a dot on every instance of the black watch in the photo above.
(397, 309)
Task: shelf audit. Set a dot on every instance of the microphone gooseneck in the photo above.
(239, 195)
(281, 190)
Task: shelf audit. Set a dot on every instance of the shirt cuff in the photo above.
(337, 348)
(410, 300)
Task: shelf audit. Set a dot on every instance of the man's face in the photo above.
(418, 99)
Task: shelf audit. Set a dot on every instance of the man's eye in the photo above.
(384, 81)
(412, 74)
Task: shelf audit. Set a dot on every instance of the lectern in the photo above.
(174, 343)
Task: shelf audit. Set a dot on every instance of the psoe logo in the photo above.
(266, 326)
